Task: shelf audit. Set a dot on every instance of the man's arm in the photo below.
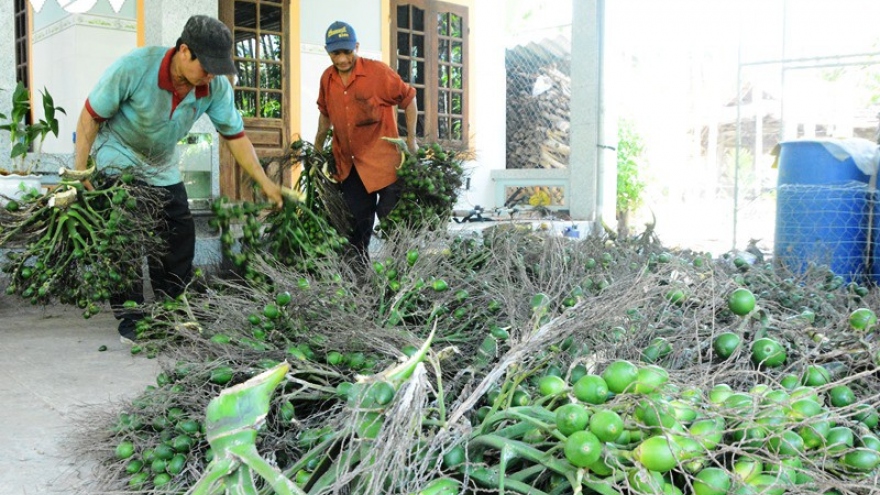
(86, 132)
(243, 151)
(412, 117)
(323, 129)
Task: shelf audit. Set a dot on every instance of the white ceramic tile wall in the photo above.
(7, 54)
(68, 56)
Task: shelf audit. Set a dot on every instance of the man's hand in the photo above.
(412, 144)
(86, 131)
(273, 192)
(243, 151)
(83, 176)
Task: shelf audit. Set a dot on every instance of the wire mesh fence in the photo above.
(539, 100)
(825, 225)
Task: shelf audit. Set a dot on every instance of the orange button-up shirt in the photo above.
(362, 113)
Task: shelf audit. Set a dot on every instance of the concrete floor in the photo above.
(51, 375)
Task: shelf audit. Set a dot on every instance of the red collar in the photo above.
(165, 76)
(357, 70)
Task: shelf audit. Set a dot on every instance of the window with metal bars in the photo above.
(21, 42)
(258, 32)
(22, 52)
(429, 51)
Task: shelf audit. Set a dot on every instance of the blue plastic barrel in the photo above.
(809, 162)
(823, 225)
(822, 206)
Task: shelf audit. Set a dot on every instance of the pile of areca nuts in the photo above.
(514, 360)
(509, 360)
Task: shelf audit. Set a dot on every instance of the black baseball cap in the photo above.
(211, 41)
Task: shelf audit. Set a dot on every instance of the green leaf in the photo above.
(21, 97)
(21, 135)
(19, 149)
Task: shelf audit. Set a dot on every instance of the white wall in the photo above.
(7, 60)
(365, 16)
(68, 57)
(587, 178)
(69, 51)
(164, 19)
(488, 104)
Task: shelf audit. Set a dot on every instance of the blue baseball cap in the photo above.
(340, 36)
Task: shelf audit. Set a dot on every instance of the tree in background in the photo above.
(630, 186)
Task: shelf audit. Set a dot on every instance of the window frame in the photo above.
(258, 59)
(429, 93)
(21, 22)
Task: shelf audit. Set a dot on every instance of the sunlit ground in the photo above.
(707, 225)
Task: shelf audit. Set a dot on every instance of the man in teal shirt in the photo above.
(142, 106)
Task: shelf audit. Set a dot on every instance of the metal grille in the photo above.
(21, 44)
(539, 102)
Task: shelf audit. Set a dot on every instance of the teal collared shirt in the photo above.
(142, 119)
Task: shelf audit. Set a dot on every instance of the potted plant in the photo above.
(18, 178)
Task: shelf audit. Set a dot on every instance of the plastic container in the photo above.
(822, 209)
(15, 186)
(823, 225)
(809, 162)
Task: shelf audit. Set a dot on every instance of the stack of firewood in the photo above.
(538, 118)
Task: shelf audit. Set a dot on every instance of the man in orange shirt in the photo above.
(357, 99)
